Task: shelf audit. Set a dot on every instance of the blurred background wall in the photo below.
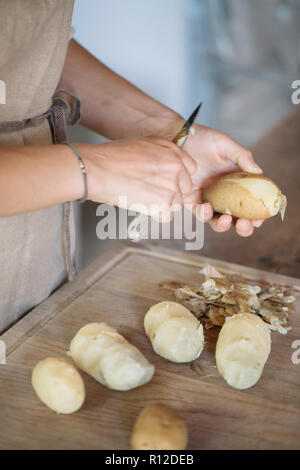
(237, 56)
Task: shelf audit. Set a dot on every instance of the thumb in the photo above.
(238, 154)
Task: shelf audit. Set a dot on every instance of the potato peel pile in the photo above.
(220, 296)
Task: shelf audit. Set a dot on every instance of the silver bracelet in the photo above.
(83, 170)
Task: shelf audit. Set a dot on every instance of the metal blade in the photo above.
(187, 125)
(182, 135)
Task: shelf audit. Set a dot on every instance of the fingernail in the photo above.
(224, 223)
(245, 224)
(199, 212)
(256, 168)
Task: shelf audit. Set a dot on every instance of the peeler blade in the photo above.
(187, 125)
(182, 135)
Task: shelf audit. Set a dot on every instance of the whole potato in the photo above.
(245, 195)
(159, 428)
(58, 385)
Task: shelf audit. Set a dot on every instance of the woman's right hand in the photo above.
(151, 171)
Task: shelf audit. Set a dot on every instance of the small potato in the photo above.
(102, 352)
(159, 428)
(243, 347)
(58, 385)
(175, 333)
(245, 195)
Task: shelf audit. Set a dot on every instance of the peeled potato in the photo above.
(59, 385)
(245, 195)
(102, 352)
(159, 428)
(175, 333)
(243, 347)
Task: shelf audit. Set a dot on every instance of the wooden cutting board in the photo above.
(118, 288)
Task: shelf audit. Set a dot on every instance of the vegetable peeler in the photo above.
(140, 221)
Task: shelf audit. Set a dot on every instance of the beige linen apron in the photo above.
(34, 36)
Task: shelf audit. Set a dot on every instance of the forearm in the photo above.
(110, 105)
(35, 177)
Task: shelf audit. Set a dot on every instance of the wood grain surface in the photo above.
(118, 288)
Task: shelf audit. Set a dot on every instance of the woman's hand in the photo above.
(116, 109)
(215, 154)
(152, 172)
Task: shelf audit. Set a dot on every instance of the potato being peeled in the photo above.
(58, 385)
(245, 195)
(159, 428)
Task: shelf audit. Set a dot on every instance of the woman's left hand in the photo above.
(216, 154)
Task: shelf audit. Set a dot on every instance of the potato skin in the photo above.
(244, 195)
(58, 385)
(159, 428)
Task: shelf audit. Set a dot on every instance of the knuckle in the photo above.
(173, 186)
(169, 159)
(177, 164)
(163, 199)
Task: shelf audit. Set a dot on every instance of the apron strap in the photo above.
(64, 111)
